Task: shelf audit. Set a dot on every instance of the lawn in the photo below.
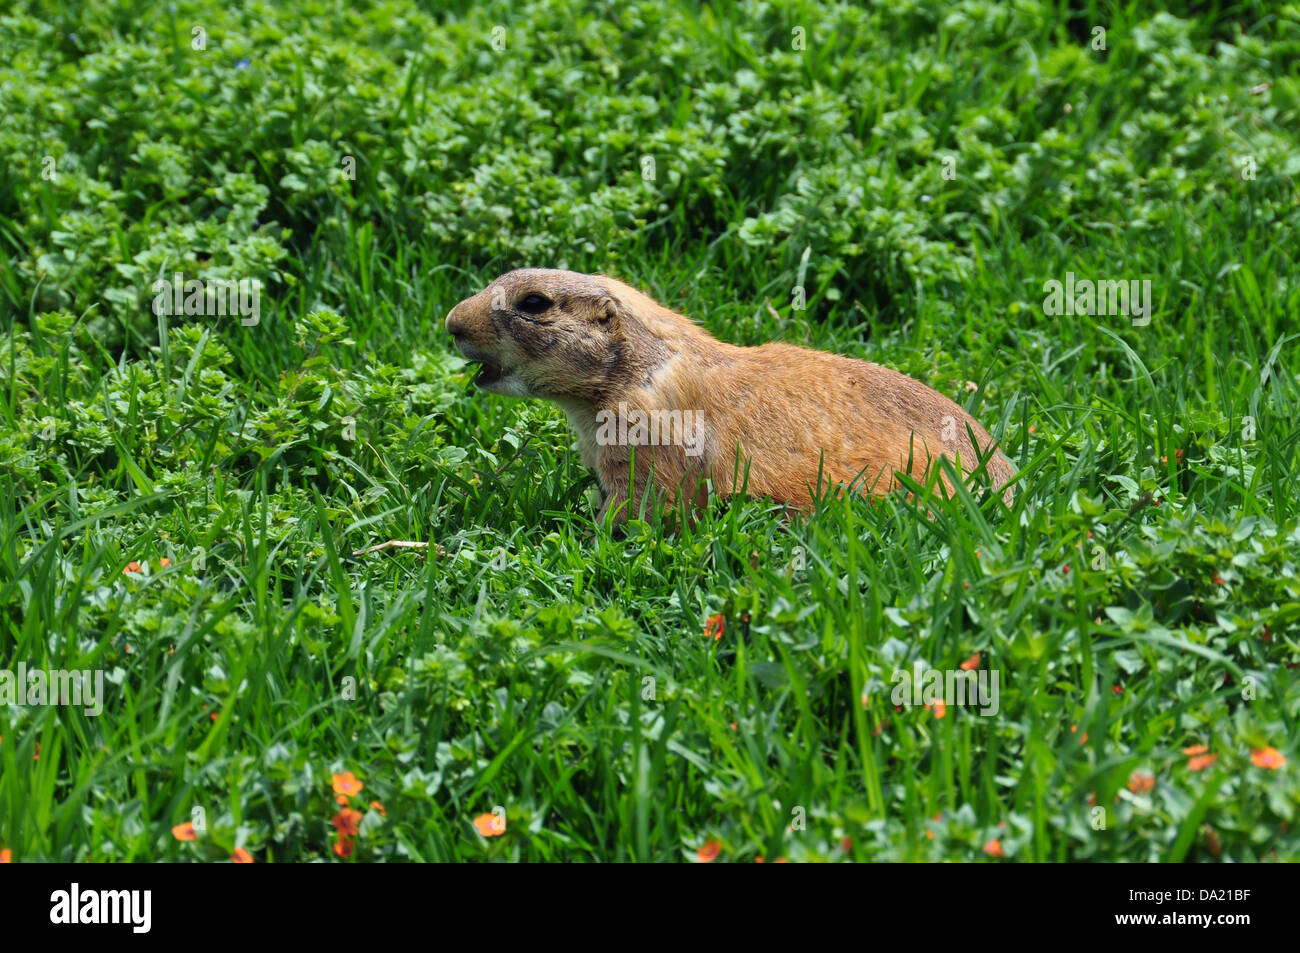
(182, 494)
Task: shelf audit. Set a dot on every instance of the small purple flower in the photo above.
(241, 64)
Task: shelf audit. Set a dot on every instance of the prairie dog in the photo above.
(632, 374)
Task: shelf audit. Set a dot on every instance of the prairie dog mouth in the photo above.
(490, 372)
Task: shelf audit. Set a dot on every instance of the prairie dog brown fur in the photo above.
(617, 362)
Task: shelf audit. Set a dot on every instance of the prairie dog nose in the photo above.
(453, 324)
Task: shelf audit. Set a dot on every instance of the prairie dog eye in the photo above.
(535, 304)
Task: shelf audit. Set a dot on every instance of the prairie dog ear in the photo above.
(609, 312)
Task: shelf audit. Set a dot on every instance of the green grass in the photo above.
(1141, 591)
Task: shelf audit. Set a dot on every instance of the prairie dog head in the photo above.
(540, 332)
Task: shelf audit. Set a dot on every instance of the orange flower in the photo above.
(347, 784)
(131, 567)
(343, 846)
(940, 709)
(490, 825)
(1196, 749)
(1141, 782)
(994, 848)
(347, 822)
(184, 832)
(971, 663)
(1269, 758)
(1084, 739)
(241, 856)
(7, 856)
(715, 625)
(342, 799)
(1201, 761)
(164, 563)
(709, 851)
(375, 805)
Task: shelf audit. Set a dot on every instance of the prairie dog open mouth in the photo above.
(490, 370)
(489, 373)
